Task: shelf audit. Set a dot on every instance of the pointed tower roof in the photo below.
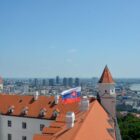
(106, 76)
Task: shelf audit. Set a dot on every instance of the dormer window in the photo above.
(43, 112)
(56, 112)
(11, 109)
(25, 111)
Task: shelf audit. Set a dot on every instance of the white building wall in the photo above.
(33, 127)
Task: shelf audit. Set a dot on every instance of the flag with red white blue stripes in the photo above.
(71, 95)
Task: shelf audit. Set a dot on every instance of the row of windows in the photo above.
(10, 137)
(24, 125)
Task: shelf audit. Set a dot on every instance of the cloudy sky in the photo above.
(45, 38)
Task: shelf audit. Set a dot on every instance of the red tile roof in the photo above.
(34, 106)
(106, 76)
(92, 124)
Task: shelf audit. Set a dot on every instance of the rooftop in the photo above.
(94, 123)
(106, 76)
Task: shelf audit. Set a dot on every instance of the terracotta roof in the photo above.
(106, 76)
(93, 124)
(34, 107)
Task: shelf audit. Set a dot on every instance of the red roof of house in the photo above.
(92, 124)
(19, 102)
(106, 76)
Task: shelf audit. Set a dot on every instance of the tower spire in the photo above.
(106, 76)
(107, 93)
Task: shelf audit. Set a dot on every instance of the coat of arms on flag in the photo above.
(71, 95)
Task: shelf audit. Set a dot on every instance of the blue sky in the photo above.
(45, 38)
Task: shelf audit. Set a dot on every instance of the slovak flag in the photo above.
(71, 95)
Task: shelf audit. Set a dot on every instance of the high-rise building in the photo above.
(35, 82)
(57, 80)
(51, 82)
(70, 82)
(77, 82)
(44, 82)
(65, 81)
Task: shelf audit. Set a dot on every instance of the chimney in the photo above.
(56, 99)
(84, 105)
(36, 95)
(70, 118)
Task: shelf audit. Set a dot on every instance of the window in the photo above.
(9, 136)
(24, 126)
(41, 127)
(9, 123)
(24, 138)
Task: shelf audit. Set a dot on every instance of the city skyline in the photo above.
(69, 38)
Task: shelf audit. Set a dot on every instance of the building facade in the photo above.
(20, 128)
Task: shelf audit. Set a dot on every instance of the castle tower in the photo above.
(1, 85)
(106, 86)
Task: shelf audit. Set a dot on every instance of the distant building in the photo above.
(57, 80)
(51, 82)
(35, 82)
(44, 82)
(26, 88)
(77, 82)
(65, 82)
(70, 82)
